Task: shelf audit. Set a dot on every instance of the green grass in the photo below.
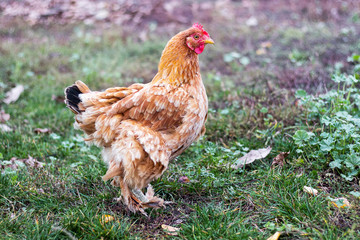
(251, 106)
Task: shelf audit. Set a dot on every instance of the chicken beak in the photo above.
(209, 41)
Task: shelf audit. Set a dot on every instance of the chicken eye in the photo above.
(196, 37)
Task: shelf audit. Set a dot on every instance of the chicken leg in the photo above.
(135, 199)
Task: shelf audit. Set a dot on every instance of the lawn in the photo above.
(280, 76)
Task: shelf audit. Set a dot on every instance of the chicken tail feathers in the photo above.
(72, 98)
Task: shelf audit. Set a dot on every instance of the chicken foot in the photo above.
(149, 200)
(154, 202)
(135, 199)
(140, 195)
(130, 199)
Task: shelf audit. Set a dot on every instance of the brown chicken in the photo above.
(144, 126)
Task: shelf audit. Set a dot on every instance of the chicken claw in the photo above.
(154, 202)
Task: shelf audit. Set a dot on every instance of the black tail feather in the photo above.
(72, 99)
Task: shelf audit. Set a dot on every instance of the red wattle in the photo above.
(200, 49)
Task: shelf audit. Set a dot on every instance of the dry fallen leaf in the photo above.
(184, 179)
(279, 159)
(275, 236)
(341, 202)
(4, 116)
(42, 130)
(173, 231)
(5, 128)
(32, 162)
(266, 44)
(15, 163)
(13, 94)
(311, 190)
(251, 157)
(107, 218)
(261, 51)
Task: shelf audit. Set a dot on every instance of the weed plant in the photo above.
(334, 118)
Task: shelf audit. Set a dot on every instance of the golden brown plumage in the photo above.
(144, 126)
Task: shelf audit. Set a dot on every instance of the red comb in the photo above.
(199, 26)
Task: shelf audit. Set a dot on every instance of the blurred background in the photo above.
(265, 49)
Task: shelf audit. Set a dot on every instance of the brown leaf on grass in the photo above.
(42, 130)
(13, 94)
(275, 236)
(8, 164)
(310, 190)
(32, 162)
(58, 98)
(106, 218)
(251, 157)
(4, 116)
(15, 163)
(12, 164)
(261, 51)
(184, 179)
(266, 44)
(5, 128)
(341, 202)
(173, 231)
(279, 159)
